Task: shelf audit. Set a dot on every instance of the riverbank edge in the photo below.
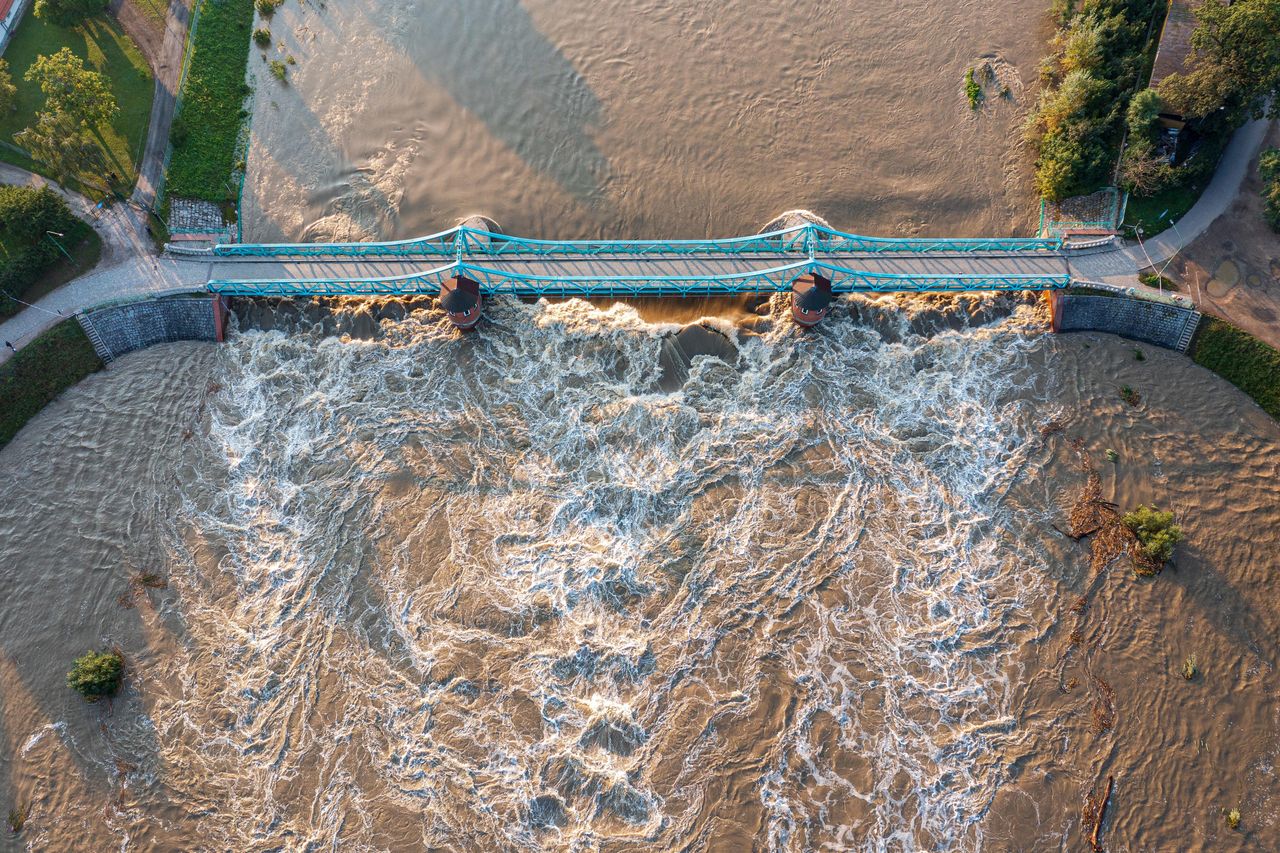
(37, 375)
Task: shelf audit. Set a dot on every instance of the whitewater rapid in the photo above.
(503, 590)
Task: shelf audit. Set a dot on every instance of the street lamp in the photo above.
(61, 248)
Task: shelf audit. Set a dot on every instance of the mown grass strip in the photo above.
(1242, 360)
(106, 49)
(40, 371)
(207, 128)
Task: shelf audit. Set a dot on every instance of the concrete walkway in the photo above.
(168, 73)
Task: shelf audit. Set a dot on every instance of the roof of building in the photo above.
(1175, 40)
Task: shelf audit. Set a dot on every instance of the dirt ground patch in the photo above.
(1233, 269)
(144, 21)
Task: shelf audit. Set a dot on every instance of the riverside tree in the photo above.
(64, 145)
(1235, 62)
(67, 12)
(71, 89)
(8, 91)
(1269, 166)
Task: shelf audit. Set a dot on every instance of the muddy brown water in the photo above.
(640, 118)
(529, 590)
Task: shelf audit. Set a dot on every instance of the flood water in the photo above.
(594, 579)
(640, 118)
(557, 586)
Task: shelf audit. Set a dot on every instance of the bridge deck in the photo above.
(638, 275)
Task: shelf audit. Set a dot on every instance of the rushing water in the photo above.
(558, 586)
(640, 118)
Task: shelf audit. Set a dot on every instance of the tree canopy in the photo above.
(8, 91)
(67, 12)
(96, 674)
(72, 89)
(1235, 62)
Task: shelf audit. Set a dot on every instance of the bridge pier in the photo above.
(462, 303)
(811, 299)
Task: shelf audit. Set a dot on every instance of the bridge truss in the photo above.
(768, 262)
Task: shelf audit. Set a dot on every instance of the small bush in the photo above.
(262, 37)
(1233, 818)
(1156, 532)
(18, 818)
(267, 8)
(1189, 669)
(1129, 395)
(279, 69)
(972, 90)
(1159, 282)
(96, 674)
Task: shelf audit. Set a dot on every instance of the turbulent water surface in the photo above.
(559, 586)
(640, 118)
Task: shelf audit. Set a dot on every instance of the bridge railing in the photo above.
(830, 241)
(442, 244)
(497, 281)
(489, 243)
(800, 241)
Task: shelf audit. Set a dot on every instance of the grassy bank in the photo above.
(1242, 360)
(42, 370)
(207, 129)
(105, 48)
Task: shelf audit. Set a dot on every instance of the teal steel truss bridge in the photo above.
(769, 262)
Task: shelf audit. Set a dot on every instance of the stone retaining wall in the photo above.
(1168, 326)
(119, 329)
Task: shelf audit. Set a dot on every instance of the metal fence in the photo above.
(1099, 211)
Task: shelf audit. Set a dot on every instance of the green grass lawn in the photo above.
(105, 48)
(207, 129)
(41, 371)
(1242, 360)
(1154, 213)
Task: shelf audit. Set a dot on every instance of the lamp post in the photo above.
(51, 235)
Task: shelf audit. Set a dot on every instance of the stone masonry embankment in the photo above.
(1157, 323)
(118, 329)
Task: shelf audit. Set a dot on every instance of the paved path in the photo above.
(168, 70)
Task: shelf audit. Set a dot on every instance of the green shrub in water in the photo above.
(1156, 532)
(972, 90)
(96, 674)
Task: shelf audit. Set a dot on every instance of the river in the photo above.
(640, 118)
(602, 578)
(559, 586)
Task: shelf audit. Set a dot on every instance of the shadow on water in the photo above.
(478, 51)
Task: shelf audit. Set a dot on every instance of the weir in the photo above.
(790, 259)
